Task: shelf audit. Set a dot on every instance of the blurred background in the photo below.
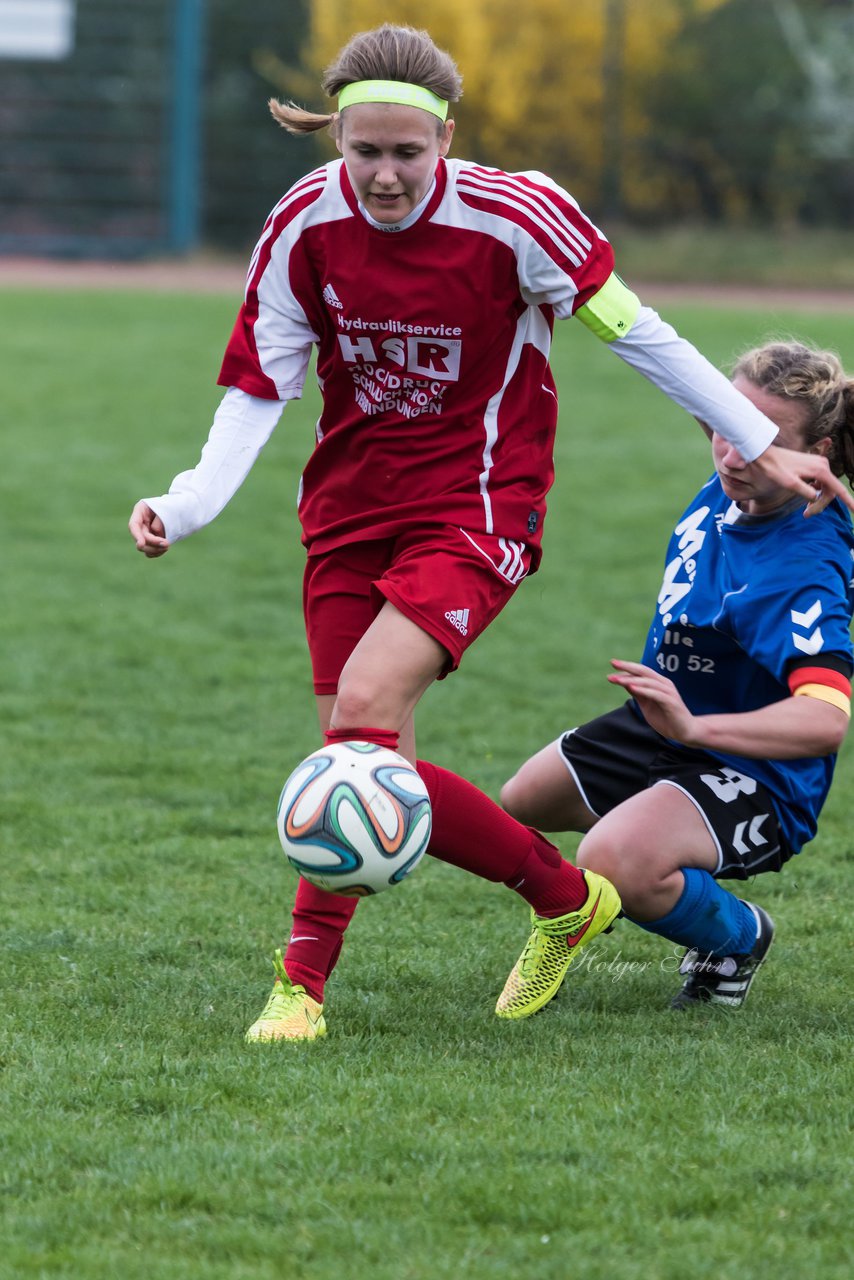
(141, 129)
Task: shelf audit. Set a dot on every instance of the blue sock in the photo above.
(707, 917)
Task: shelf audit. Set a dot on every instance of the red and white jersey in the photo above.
(432, 340)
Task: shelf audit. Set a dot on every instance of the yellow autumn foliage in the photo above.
(545, 81)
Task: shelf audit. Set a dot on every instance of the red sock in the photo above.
(382, 737)
(474, 833)
(320, 918)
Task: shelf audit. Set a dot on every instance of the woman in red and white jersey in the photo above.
(428, 287)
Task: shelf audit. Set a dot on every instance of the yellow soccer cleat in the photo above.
(289, 1014)
(553, 945)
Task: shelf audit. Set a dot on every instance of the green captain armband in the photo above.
(612, 311)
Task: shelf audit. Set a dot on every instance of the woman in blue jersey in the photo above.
(718, 766)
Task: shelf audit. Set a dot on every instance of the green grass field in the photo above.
(798, 258)
(150, 713)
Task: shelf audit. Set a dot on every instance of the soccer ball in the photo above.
(354, 818)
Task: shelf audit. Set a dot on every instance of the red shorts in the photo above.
(450, 583)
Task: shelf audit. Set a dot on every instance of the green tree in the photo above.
(724, 110)
(534, 75)
(820, 37)
(733, 135)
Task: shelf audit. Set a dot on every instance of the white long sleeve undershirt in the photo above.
(672, 364)
(241, 427)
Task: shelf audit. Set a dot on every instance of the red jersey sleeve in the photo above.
(270, 346)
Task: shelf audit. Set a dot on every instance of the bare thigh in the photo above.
(387, 673)
(542, 793)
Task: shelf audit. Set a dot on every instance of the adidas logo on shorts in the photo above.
(459, 618)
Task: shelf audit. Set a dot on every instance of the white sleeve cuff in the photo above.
(241, 427)
(676, 367)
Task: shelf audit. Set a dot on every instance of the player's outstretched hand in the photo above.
(658, 699)
(808, 474)
(147, 531)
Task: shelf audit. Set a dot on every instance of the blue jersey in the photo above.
(744, 599)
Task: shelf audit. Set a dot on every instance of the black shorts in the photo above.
(618, 754)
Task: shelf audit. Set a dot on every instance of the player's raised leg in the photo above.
(543, 793)
(553, 944)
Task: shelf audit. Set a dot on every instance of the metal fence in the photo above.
(132, 127)
(99, 125)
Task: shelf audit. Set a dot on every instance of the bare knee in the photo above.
(516, 800)
(354, 707)
(601, 854)
(647, 888)
(543, 794)
(362, 702)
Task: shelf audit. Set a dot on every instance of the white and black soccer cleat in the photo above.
(724, 980)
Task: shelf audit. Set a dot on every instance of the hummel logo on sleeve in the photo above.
(812, 643)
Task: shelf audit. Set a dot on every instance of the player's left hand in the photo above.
(808, 474)
(658, 699)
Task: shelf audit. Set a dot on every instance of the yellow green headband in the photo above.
(398, 91)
